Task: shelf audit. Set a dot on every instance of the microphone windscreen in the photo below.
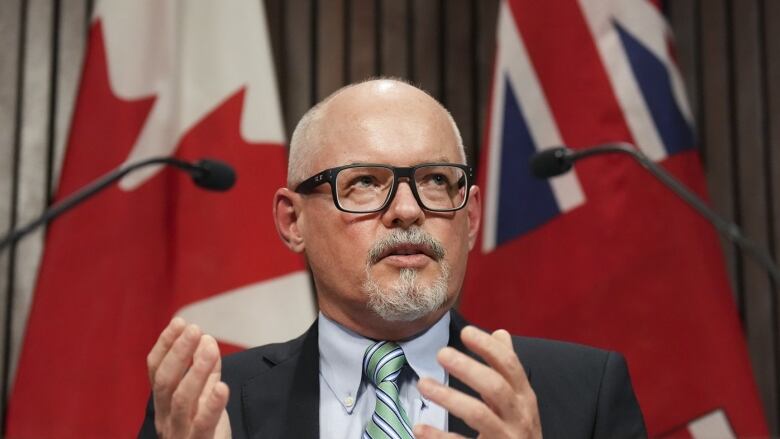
(551, 162)
(214, 175)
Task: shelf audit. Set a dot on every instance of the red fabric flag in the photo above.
(192, 79)
(606, 255)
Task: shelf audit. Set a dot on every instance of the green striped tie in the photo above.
(382, 364)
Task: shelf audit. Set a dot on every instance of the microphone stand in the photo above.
(91, 189)
(556, 161)
(731, 230)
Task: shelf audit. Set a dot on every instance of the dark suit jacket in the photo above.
(582, 392)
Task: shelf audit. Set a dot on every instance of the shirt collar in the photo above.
(341, 356)
(421, 350)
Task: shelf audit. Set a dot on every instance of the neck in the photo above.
(370, 325)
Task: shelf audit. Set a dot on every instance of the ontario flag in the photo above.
(606, 255)
(186, 78)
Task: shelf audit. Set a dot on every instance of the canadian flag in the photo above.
(186, 78)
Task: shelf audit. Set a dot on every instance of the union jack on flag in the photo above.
(605, 255)
(646, 83)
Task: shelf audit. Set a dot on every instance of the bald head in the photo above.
(366, 106)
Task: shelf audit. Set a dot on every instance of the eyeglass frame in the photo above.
(329, 176)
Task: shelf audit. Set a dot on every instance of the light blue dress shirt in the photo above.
(347, 399)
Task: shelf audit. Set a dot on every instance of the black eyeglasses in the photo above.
(367, 188)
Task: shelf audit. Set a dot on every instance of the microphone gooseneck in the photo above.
(555, 161)
(207, 173)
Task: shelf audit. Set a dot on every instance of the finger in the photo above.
(497, 351)
(172, 369)
(422, 431)
(504, 337)
(184, 401)
(206, 419)
(494, 389)
(473, 411)
(215, 374)
(163, 345)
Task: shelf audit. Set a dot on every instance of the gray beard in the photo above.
(407, 299)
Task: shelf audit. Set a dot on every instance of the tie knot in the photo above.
(383, 362)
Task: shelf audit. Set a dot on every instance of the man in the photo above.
(380, 202)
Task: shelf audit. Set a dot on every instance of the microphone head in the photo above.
(214, 175)
(551, 162)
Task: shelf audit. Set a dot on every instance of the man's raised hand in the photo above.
(509, 409)
(184, 371)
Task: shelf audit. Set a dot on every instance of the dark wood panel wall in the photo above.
(730, 54)
(729, 51)
(446, 47)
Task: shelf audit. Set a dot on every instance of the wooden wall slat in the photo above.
(683, 19)
(487, 16)
(771, 16)
(73, 31)
(771, 56)
(393, 55)
(458, 74)
(35, 137)
(426, 66)
(330, 48)
(362, 40)
(276, 20)
(275, 13)
(297, 61)
(10, 36)
(715, 121)
(752, 197)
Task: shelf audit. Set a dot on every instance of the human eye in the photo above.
(363, 181)
(435, 178)
(439, 179)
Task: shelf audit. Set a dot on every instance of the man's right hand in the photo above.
(189, 398)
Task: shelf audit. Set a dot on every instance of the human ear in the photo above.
(474, 210)
(287, 219)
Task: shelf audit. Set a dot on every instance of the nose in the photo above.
(403, 211)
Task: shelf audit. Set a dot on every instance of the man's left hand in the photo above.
(509, 409)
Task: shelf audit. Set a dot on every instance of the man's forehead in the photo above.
(387, 89)
(380, 97)
(332, 155)
(381, 122)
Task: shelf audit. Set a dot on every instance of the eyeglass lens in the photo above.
(366, 188)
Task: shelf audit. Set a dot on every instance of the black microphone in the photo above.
(213, 175)
(555, 161)
(208, 174)
(551, 162)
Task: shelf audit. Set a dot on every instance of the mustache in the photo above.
(411, 236)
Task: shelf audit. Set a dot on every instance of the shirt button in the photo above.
(349, 401)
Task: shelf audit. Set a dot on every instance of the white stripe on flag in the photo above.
(600, 14)
(648, 25)
(271, 311)
(512, 60)
(713, 425)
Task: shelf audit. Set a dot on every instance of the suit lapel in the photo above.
(283, 402)
(303, 412)
(455, 424)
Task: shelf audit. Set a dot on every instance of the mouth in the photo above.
(407, 250)
(407, 255)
